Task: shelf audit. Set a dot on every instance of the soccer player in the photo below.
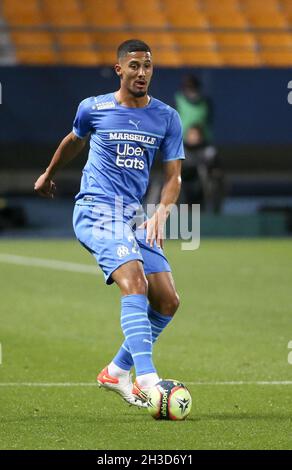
(126, 129)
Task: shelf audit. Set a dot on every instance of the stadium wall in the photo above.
(250, 105)
(251, 127)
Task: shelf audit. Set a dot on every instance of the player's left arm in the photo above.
(169, 194)
(173, 152)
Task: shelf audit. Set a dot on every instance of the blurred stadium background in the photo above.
(54, 53)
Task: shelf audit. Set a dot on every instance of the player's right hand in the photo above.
(44, 186)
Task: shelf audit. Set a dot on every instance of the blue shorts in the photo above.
(112, 240)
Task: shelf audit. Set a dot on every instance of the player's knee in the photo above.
(141, 285)
(174, 303)
(170, 305)
(135, 285)
(131, 279)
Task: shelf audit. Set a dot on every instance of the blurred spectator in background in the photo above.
(202, 175)
(194, 108)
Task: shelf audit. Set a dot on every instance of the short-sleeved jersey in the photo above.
(123, 144)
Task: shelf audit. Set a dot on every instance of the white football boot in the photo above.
(122, 385)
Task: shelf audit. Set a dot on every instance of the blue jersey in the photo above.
(123, 144)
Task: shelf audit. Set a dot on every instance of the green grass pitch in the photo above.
(234, 325)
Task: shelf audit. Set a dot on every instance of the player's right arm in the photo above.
(68, 149)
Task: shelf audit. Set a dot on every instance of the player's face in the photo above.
(135, 71)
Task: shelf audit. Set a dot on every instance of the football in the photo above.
(169, 399)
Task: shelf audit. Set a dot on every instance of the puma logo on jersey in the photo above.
(134, 123)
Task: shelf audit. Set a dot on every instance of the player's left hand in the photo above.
(45, 186)
(155, 227)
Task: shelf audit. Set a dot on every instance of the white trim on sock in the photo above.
(147, 380)
(116, 371)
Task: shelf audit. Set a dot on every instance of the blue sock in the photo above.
(123, 358)
(137, 331)
(158, 322)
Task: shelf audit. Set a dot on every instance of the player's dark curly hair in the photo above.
(132, 45)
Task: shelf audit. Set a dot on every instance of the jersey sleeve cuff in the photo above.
(74, 130)
(173, 158)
